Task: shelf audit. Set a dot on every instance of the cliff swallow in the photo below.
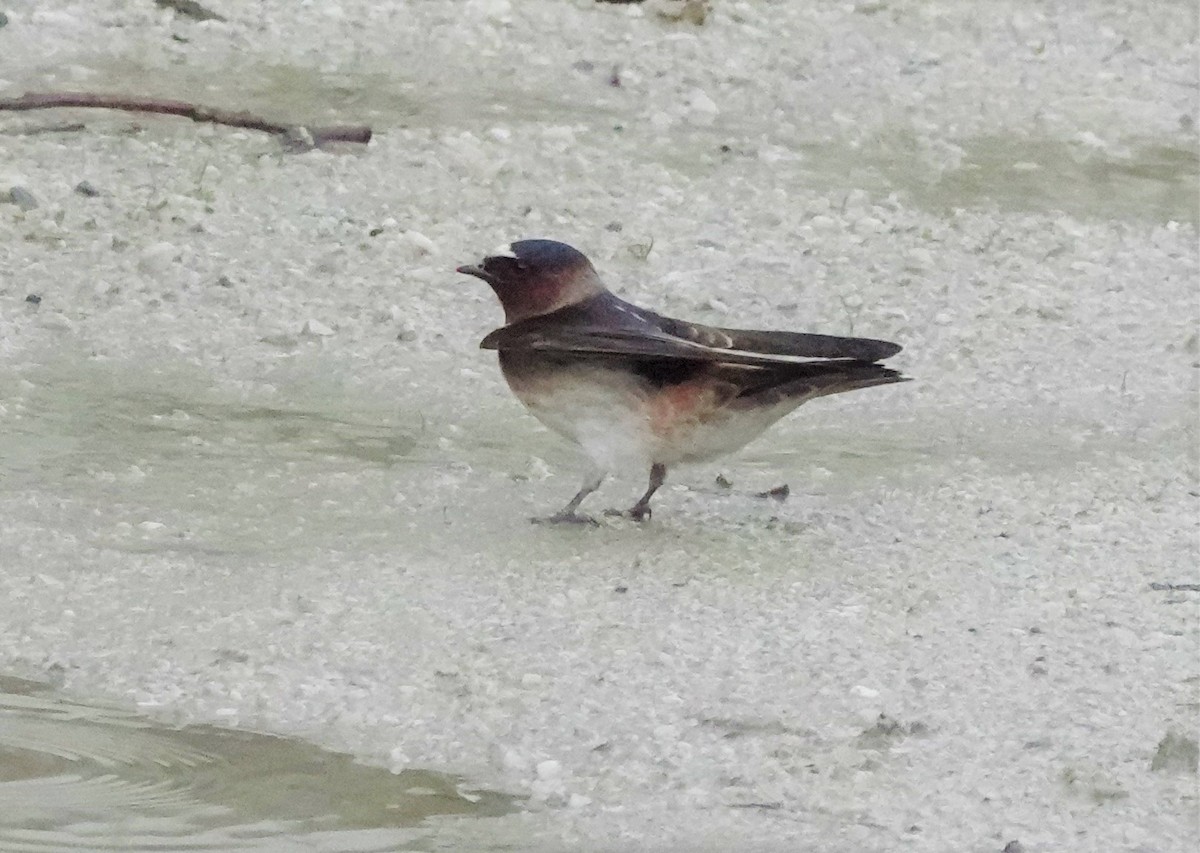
(635, 388)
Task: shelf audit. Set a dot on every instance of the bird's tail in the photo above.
(820, 378)
(850, 376)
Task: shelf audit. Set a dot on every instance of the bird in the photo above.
(632, 387)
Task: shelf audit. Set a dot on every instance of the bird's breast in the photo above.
(594, 403)
(619, 416)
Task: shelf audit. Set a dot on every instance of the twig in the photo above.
(295, 134)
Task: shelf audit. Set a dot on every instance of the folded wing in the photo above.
(616, 328)
(794, 344)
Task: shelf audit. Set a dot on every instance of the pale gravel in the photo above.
(969, 555)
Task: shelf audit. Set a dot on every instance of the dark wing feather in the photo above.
(636, 343)
(609, 326)
(815, 379)
(800, 344)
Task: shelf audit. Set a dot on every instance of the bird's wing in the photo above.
(638, 333)
(793, 344)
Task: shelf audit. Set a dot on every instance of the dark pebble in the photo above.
(22, 198)
(33, 299)
(85, 188)
(779, 493)
(189, 9)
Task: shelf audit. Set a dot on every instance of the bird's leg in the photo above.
(640, 511)
(567, 514)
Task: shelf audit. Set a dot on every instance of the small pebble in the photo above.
(422, 244)
(157, 258)
(687, 11)
(33, 299)
(85, 188)
(316, 329)
(58, 322)
(918, 259)
(22, 198)
(1177, 752)
(700, 108)
(297, 140)
(560, 135)
(779, 493)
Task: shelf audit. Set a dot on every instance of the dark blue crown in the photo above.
(547, 254)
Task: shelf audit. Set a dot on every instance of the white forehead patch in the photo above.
(504, 251)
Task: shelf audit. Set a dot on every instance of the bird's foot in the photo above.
(637, 513)
(565, 518)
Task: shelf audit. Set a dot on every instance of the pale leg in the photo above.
(640, 511)
(567, 514)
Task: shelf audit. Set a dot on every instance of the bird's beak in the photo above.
(471, 269)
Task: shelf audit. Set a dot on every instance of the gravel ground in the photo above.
(256, 472)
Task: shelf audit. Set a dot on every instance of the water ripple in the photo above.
(75, 777)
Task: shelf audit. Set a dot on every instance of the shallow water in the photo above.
(87, 777)
(162, 445)
(1148, 179)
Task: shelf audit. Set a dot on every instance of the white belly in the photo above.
(604, 413)
(621, 421)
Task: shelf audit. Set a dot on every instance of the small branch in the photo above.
(294, 134)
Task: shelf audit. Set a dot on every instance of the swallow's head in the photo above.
(535, 277)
